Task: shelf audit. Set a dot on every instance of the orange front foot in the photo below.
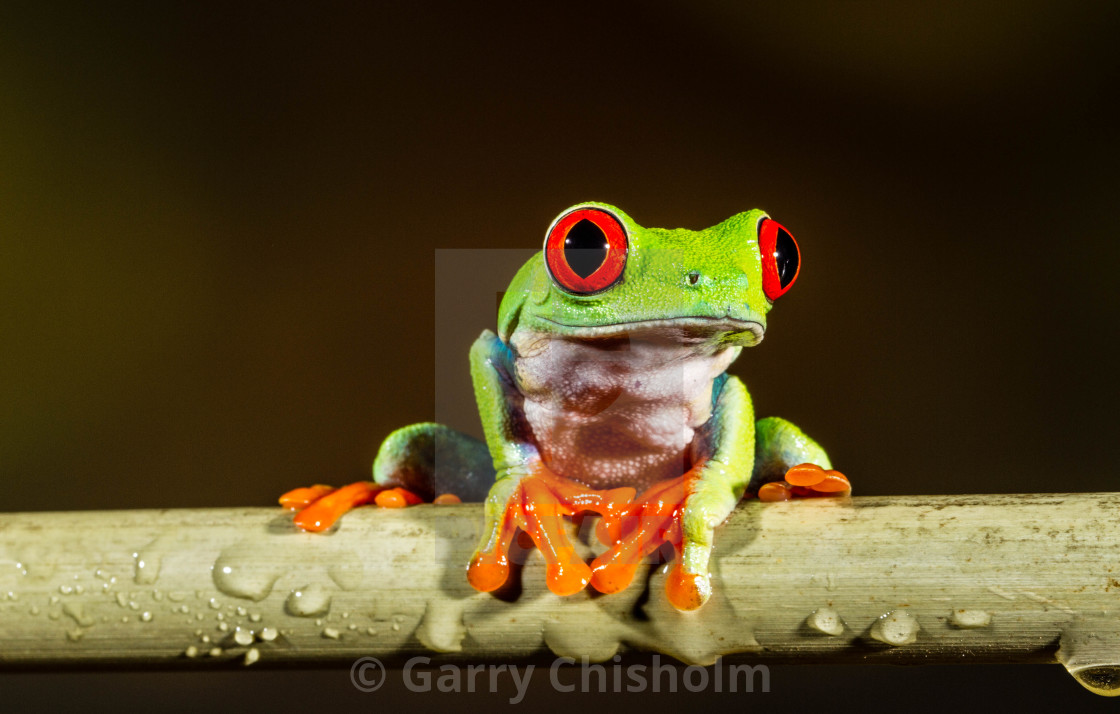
(806, 481)
(537, 504)
(652, 520)
(319, 507)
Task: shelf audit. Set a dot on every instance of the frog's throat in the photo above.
(745, 332)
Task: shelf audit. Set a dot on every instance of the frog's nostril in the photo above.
(694, 277)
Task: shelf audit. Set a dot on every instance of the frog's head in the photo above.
(601, 274)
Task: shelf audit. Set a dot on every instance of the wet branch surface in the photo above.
(905, 580)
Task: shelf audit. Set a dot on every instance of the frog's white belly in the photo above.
(617, 412)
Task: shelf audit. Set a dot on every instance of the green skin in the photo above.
(553, 378)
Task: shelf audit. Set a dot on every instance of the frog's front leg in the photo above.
(685, 511)
(782, 463)
(525, 494)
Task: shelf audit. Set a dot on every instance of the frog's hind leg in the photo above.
(418, 463)
(431, 459)
(788, 464)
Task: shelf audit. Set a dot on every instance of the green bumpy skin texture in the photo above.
(638, 367)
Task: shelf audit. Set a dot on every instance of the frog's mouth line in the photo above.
(691, 326)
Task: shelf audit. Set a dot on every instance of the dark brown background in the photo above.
(218, 232)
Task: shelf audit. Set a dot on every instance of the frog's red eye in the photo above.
(781, 260)
(585, 250)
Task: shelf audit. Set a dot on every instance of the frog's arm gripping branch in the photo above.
(511, 450)
(520, 497)
(720, 480)
(914, 580)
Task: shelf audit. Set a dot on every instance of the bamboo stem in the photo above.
(998, 578)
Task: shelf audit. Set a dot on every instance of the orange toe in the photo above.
(805, 475)
(774, 491)
(390, 498)
(323, 513)
(544, 509)
(834, 482)
(299, 498)
(397, 498)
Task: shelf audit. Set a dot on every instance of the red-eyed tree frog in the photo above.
(606, 390)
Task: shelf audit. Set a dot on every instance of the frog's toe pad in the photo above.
(396, 498)
(612, 577)
(488, 572)
(567, 578)
(687, 591)
(775, 491)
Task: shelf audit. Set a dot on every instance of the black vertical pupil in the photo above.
(585, 248)
(785, 254)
